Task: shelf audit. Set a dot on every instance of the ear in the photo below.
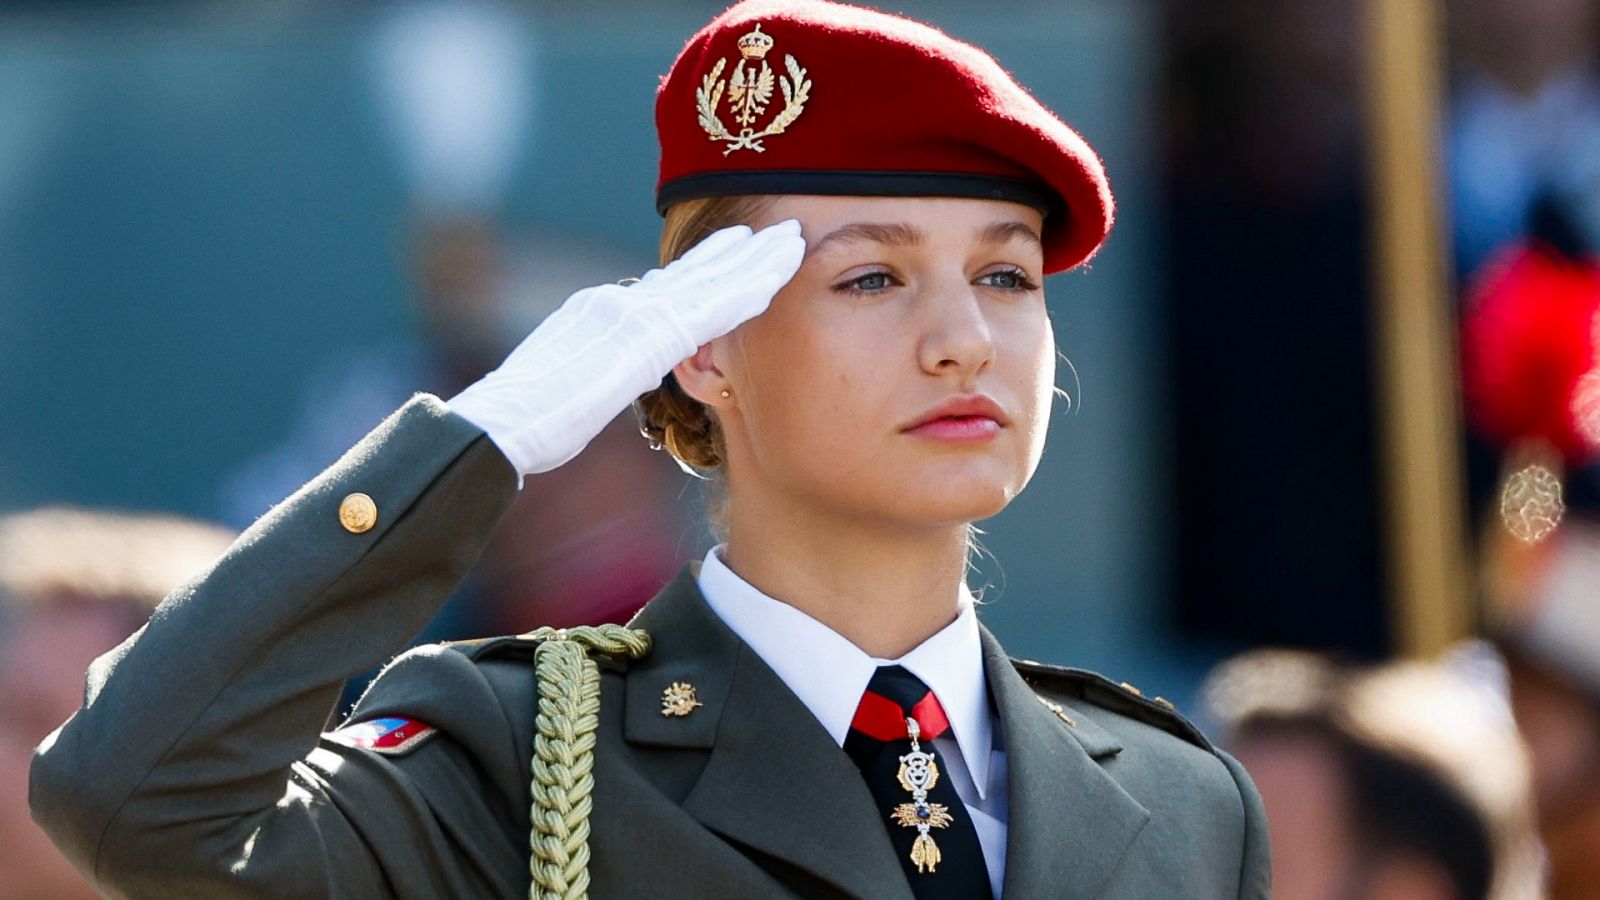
(700, 378)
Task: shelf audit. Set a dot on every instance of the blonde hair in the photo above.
(669, 417)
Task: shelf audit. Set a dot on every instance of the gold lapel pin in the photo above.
(679, 699)
(1059, 710)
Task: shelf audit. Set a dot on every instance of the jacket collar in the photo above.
(829, 674)
(768, 755)
(1069, 823)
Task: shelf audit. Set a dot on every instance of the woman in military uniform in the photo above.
(849, 331)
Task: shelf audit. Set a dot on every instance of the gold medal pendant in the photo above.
(925, 853)
(918, 774)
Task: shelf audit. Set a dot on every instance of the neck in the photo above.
(885, 589)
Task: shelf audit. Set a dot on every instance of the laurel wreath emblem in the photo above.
(749, 92)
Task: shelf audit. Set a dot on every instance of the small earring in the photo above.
(726, 393)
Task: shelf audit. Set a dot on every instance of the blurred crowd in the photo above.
(589, 542)
(73, 584)
(1472, 776)
(1476, 775)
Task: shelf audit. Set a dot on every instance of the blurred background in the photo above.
(1326, 479)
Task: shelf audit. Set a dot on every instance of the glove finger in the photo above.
(684, 266)
(576, 313)
(779, 256)
(758, 252)
(712, 246)
(725, 306)
(683, 269)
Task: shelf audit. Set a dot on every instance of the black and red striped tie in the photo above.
(879, 737)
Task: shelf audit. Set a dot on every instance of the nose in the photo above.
(957, 340)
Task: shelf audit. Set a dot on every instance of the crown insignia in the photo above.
(755, 44)
(749, 92)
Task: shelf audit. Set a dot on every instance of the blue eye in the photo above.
(870, 283)
(1009, 280)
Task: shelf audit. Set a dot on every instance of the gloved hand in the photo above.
(608, 344)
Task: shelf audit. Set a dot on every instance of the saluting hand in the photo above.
(608, 344)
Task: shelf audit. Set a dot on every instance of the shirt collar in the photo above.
(829, 674)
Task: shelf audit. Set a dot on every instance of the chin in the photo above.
(950, 498)
(915, 490)
(973, 506)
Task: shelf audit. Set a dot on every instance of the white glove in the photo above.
(608, 344)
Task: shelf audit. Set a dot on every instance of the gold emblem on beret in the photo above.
(749, 92)
(679, 699)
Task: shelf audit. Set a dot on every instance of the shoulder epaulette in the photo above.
(1122, 698)
(523, 647)
(520, 647)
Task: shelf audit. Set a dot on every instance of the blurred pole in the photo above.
(1414, 331)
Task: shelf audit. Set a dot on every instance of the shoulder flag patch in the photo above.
(389, 736)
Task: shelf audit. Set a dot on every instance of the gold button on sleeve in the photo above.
(357, 513)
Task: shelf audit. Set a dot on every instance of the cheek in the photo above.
(1028, 364)
(809, 383)
(1043, 353)
(773, 352)
(806, 356)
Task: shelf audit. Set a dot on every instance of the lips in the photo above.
(972, 417)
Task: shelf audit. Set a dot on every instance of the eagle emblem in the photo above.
(749, 93)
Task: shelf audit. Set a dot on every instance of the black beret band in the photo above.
(858, 184)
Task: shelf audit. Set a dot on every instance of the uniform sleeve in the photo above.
(1255, 862)
(195, 768)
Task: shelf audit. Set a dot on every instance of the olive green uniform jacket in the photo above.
(195, 767)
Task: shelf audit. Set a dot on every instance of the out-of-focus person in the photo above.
(1548, 605)
(591, 542)
(1524, 118)
(1531, 368)
(1396, 782)
(73, 584)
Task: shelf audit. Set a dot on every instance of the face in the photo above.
(1303, 788)
(905, 373)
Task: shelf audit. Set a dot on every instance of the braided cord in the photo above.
(563, 752)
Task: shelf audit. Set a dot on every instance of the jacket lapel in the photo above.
(1069, 823)
(774, 781)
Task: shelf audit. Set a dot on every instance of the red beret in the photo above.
(812, 97)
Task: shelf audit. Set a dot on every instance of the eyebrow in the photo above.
(1003, 232)
(901, 234)
(896, 234)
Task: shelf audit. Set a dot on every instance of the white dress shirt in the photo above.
(829, 674)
